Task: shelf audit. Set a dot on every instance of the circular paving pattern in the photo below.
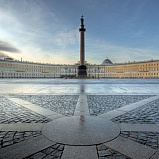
(80, 130)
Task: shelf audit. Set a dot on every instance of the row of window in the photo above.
(30, 75)
(7, 65)
(93, 75)
(130, 75)
(105, 69)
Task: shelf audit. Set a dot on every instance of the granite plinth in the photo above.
(82, 71)
(80, 130)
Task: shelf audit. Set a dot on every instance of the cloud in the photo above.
(2, 55)
(7, 47)
(67, 38)
(31, 19)
(100, 49)
(8, 18)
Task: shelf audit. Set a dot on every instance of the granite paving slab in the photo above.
(82, 106)
(130, 148)
(52, 152)
(80, 130)
(21, 127)
(25, 148)
(63, 104)
(127, 108)
(80, 152)
(36, 108)
(146, 114)
(99, 104)
(11, 112)
(150, 139)
(156, 155)
(138, 127)
(105, 152)
(8, 138)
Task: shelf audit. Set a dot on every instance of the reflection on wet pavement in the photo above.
(75, 86)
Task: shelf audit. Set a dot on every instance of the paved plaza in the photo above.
(79, 119)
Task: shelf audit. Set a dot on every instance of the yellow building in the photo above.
(21, 69)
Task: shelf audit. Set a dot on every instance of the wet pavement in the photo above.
(79, 119)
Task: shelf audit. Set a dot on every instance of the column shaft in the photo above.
(82, 48)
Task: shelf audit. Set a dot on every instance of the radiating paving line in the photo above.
(156, 155)
(139, 127)
(34, 107)
(82, 106)
(130, 148)
(21, 127)
(80, 152)
(38, 109)
(117, 112)
(25, 148)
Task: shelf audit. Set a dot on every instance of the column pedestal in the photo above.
(82, 71)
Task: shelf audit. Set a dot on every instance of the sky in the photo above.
(47, 31)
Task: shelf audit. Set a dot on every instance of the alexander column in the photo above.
(82, 69)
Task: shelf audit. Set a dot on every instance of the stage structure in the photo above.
(82, 69)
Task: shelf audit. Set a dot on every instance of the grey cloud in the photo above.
(5, 46)
(2, 55)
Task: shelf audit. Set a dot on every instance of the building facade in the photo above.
(21, 69)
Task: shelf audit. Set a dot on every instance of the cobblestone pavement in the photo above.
(8, 138)
(42, 148)
(11, 112)
(99, 104)
(105, 152)
(150, 139)
(63, 104)
(52, 152)
(148, 113)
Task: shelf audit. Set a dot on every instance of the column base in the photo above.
(82, 71)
